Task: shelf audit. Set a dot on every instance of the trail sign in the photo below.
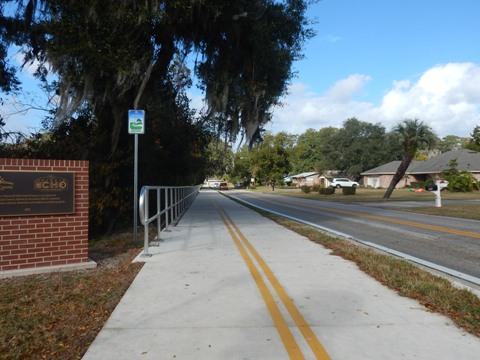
(136, 126)
(136, 122)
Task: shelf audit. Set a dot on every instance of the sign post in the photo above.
(136, 125)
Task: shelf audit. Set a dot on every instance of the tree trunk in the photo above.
(402, 169)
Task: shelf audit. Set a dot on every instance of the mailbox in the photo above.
(442, 184)
(431, 187)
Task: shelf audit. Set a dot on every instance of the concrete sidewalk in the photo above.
(196, 298)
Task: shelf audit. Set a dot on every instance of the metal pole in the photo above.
(135, 190)
(147, 216)
(167, 209)
(159, 211)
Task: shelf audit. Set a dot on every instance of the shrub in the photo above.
(417, 184)
(306, 189)
(327, 190)
(349, 190)
(461, 182)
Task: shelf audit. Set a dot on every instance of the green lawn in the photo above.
(466, 211)
(364, 194)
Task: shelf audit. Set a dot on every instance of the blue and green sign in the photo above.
(136, 121)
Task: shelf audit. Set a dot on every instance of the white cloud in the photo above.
(331, 38)
(24, 112)
(345, 89)
(446, 97)
(28, 68)
(21, 116)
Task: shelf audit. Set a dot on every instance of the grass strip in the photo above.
(462, 211)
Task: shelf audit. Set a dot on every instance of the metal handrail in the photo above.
(176, 200)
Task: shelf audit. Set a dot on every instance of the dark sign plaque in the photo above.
(36, 193)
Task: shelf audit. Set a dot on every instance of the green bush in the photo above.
(349, 190)
(327, 191)
(460, 181)
(417, 184)
(306, 189)
(463, 181)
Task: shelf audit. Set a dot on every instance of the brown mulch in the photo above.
(58, 315)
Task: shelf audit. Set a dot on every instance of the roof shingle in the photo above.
(466, 160)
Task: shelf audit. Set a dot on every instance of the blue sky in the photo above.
(384, 61)
(380, 61)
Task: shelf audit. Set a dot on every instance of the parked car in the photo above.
(223, 186)
(215, 185)
(343, 182)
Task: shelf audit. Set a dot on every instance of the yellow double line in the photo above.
(289, 341)
(412, 224)
(391, 220)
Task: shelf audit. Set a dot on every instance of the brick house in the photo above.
(419, 171)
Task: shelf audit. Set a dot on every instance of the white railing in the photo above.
(170, 204)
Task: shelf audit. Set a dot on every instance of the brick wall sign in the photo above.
(43, 216)
(34, 193)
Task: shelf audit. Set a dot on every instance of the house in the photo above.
(312, 179)
(420, 171)
(305, 179)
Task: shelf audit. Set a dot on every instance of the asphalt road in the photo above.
(447, 244)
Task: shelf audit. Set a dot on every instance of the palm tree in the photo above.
(412, 135)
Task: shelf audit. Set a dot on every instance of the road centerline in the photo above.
(394, 221)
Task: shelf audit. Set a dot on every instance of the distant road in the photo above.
(448, 244)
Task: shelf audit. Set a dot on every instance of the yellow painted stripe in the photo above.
(307, 332)
(419, 225)
(395, 221)
(281, 325)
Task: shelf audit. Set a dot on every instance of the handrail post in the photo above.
(159, 220)
(167, 223)
(145, 241)
(185, 199)
(177, 201)
(171, 206)
(181, 200)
